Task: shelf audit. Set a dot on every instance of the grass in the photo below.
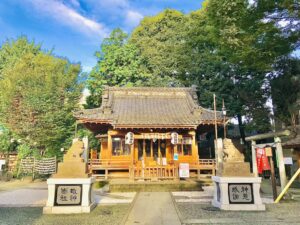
(99, 184)
(16, 184)
(284, 212)
(101, 215)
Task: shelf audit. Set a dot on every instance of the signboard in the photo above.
(175, 157)
(68, 194)
(268, 151)
(2, 164)
(240, 193)
(45, 165)
(174, 138)
(184, 170)
(288, 160)
(129, 138)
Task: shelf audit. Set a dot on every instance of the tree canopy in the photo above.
(38, 94)
(229, 48)
(120, 64)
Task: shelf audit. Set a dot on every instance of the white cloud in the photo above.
(87, 68)
(117, 10)
(133, 18)
(69, 17)
(75, 3)
(114, 3)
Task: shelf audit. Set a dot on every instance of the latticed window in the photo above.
(185, 146)
(119, 147)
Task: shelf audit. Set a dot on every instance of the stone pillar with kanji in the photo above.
(70, 189)
(235, 187)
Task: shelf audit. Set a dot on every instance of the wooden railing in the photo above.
(137, 171)
(107, 165)
(204, 164)
(98, 164)
(207, 161)
(157, 172)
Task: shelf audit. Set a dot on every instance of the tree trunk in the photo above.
(241, 128)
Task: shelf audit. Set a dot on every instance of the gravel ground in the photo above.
(101, 215)
(17, 184)
(195, 213)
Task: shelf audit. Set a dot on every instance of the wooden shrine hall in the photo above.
(147, 132)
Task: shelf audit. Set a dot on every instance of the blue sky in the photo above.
(75, 28)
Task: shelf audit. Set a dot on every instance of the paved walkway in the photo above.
(35, 195)
(153, 208)
(31, 196)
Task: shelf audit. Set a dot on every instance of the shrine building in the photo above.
(147, 132)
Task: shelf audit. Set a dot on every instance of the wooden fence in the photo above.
(12, 160)
(34, 166)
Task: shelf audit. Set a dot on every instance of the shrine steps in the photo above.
(154, 186)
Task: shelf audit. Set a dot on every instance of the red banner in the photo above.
(262, 160)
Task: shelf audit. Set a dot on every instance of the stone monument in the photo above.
(70, 189)
(235, 187)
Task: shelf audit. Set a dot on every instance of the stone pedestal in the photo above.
(69, 195)
(237, 193)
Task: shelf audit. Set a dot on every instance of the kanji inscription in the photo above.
(68, 195)
(240, 193)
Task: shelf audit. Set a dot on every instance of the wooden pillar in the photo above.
(144, 150)
(131, 171)
(159, 153)
(151, 146)
(254, 163)
(195, 154)
(282, 173)
(218, 152)
(109, 145)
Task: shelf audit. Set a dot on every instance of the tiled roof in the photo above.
(149, 107)
(293, 142)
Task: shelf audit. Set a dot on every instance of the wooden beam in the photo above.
(268, 135)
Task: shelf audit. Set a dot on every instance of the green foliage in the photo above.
(38, 94)
(119, 64)
(13, 50)
(5, 141)
(232, 48)
(25, 151)
(286, 91)
(227, 48)
(161, 39)
(93, 141)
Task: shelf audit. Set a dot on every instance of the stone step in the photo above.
(146, 186)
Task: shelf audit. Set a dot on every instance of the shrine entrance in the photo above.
(153, 156)
(152, 150)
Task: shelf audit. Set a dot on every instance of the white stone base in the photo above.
(68, 209)
(87, 197)
(222, 201)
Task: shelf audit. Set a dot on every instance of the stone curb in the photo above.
(130, 208)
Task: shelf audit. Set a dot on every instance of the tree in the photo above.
(286, 91)
(234, 48)
(119, 64)
(160, 39)
(38, 94)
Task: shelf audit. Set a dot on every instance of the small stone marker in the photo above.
(235, 187)
(70, 190)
